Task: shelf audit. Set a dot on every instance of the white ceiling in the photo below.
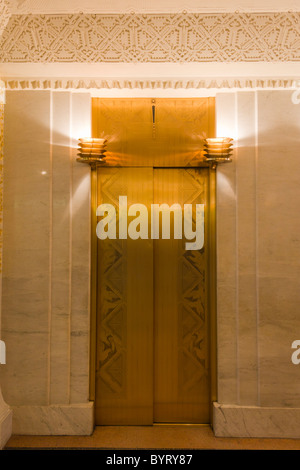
(157, 6)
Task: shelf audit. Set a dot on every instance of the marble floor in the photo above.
(150, 437)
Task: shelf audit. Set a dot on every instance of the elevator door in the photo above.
(152, 315)
(181, 352)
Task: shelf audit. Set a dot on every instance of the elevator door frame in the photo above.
(211, 270)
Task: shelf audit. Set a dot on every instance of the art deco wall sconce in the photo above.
(218, 150)
(91, 150)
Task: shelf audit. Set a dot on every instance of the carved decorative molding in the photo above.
(4, 15)
(142, 84)
(180, 38)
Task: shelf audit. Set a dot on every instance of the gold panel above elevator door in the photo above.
(160, 132)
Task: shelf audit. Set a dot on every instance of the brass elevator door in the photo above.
(152, 319)
(124, 360)
(153, 315)
(181, 352)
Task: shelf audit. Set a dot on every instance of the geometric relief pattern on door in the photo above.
(111, 360)
(192, 324)
(127, 126)
(176, 139)
(182, 125)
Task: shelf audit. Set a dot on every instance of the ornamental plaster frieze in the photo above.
(135, 38)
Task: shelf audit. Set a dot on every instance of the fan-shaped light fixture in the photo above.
(91, 150)
(218, 149)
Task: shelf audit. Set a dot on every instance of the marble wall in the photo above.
(258, 246)
(46, 260)
(5, 411)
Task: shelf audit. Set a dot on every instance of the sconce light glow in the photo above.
(91, 150)
(225, 188)
(2, 92)
(81, 193)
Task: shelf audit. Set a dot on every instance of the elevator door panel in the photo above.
(152, 320)
(124, 360)
(181, 367)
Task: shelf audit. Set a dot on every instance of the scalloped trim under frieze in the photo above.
(134, 83)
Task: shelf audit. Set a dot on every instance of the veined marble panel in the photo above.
(256, 421)
(246, 248)
(47, 250)
(5, 422)
(74, 419)
(226, 259)
(278, 228)
(80, 254)
(25, 299)
(61, 218)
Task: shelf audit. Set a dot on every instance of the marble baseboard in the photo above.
(255, 421)
(5, 424)
(68, 420)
